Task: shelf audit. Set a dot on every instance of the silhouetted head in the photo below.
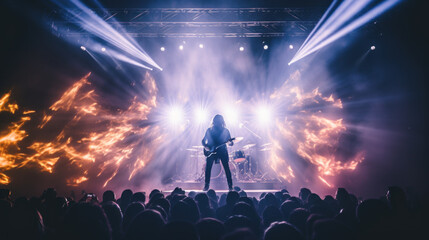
(236, 222)
(271, 214)
(202, 200)
(86, 221)
(218, 121)
(109, 195)
(114, 215)
(181, 211)
(304, 193)
(212, 194)
(146, 224)
(371, 212)
(298, 218)
(126, 195)
(164, 203)
(282, 230)
(194, 213)
(288, 206)
(242, 234)
(397, 198)
(210, 229)
(232, 198)
(138, 197)
(153, 192)
(132, 210)
(342, 197)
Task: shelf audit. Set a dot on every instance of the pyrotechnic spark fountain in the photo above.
(341, 18)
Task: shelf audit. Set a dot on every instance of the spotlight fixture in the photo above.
(83, 48)
(290, 46)
(181, 47)
(162, 49)
(265, 47)
(201, 45)
(241, 48)
(373, 48)
(103, 49)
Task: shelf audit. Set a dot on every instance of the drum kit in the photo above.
(243, 165)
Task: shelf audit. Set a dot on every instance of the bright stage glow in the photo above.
(175, 115)
(103, 49)
(201, 115)
(372, 48)
(265, 47)
(181, 47)
(162, 49)
(341, 18)
(290, 46)
(264, 115)
(83, 48)
(231, 116)
(201, 45)
(241, 48)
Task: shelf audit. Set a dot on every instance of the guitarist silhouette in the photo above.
(214, 142)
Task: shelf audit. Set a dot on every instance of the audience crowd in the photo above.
(210, 216)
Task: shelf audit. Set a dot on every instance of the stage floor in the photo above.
(252, 188)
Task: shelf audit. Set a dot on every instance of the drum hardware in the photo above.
(192, 150)
(238, 139)
(198, 147)
(248, 146)
(239, 156)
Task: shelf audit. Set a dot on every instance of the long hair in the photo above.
(218, 121)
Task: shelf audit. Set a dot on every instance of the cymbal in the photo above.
(245, 147)
(265, 149)
(192, 150)
(238, 139)
(265, 144)
(198, 146)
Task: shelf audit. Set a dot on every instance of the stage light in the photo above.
(103, 49)
(201, 45)
(181, 47)
(162, 49)
(372, 48)
(341, 18)
(231, 116)
(265, 47)
(241, 48)
(83, 48)
(201, 115)
(290, 46)
(175, 115)
(264, 115)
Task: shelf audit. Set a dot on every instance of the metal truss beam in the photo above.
(202, 22)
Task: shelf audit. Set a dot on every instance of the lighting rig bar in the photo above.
(199, 22)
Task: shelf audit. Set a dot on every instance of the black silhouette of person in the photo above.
(215, 138)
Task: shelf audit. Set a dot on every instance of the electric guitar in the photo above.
(208, 152)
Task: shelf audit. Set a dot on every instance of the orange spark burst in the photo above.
(94, 137)
(6, 106)
(314, 135)
(4, 179)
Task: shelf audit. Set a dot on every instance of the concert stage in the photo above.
(252, 188)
